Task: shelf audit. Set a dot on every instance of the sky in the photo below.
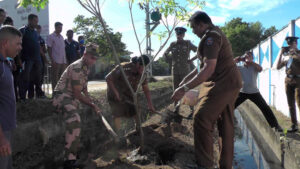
(276, 13)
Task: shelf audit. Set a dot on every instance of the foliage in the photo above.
(174, 8)
(160, 67)
(173, 12)
(39, 4)
(270, 31)
(93, 32)
(244, 36)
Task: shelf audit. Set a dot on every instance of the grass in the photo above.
(160, 84)
(284, 121)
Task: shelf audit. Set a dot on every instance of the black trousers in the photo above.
(32, 69)
(257, 99)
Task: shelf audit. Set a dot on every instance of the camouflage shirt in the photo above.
(180, 53)
(120, 83)
(75, 74)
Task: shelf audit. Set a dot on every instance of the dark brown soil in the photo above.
(166, 146)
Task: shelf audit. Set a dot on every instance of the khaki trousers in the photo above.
(57, 70)
(209, 110)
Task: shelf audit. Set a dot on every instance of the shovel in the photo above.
(169, 116)
(109, 128)
(175, 116)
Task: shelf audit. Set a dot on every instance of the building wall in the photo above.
(19, 15)
(271, 81)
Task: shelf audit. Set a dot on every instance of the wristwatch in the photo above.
(185, 88)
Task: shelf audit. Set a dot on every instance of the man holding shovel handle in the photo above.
(70, 91)
(119, 95)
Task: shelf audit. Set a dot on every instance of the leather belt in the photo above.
(293, 76)
(56, 92)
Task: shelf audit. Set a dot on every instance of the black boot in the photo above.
(72, 164)
(278, 128)
(293, 128)
(69, 164)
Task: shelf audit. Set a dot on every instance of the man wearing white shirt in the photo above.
(57, 53)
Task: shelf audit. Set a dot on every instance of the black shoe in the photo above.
(278, 129)
(69, 164)
(72, 164)
(22, 100)
(41, 97)
(293, 128)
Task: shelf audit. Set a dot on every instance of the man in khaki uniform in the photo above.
(220, 83)
(118, 93)
(70, 91)
(180, 54)
(292, 80)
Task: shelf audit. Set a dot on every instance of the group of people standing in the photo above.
(219, 78)
(31, 63)
(23, 55)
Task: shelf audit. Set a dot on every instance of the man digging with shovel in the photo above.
(70, 91)
(119, 96)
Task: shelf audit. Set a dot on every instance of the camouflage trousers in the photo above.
(69, 108)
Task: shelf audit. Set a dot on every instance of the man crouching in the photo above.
(118, 93)
(70, 91)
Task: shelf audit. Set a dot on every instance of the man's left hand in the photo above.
(178, 94)
(151, 108)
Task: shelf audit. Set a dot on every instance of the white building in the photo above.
(19, 15)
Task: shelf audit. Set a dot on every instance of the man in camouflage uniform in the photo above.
(118, 93)
(180, 54)
(292, 80)
(70, 90)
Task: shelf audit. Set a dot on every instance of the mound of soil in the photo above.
(166, 146)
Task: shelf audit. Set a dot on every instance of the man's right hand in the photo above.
(5, 149)
(97, 109)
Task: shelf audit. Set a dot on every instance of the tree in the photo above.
(270, 31)
(93, 32)
(160, 67)
(244, 36)
(39, 4)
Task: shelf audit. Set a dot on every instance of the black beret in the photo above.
(291, 39)
(180, 30)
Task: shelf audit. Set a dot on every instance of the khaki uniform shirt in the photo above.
(293, 67)
(76, 74)
(180, 53)
(120, 83)
(226, 77)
